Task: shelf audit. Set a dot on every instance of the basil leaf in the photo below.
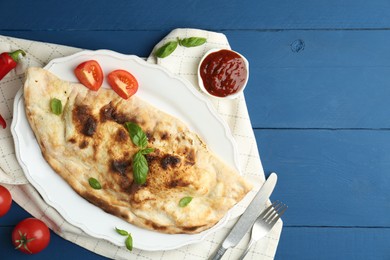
(147, 150)
(56, 106)
(185, 201)
(140, 168)
(192, 41)
(121, 232)
(137, 135)
(166, 49)
(94, 183)
(129, 242)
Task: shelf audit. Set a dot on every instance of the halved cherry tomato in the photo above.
(5, 200)
(90, 74)
(123, 83)
(31, 236)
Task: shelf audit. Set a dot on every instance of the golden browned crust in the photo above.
(89, 140)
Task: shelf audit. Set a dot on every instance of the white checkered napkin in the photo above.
(182, 62)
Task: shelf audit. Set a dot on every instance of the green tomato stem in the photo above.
(23, 241)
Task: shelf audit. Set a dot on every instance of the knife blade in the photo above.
(248, 218)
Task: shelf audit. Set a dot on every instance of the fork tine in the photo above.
(266, 211)
(276, 205)
(279, 214)
(273, 212)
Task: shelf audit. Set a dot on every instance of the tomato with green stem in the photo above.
(31, 236)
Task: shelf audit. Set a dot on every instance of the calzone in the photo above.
(89, 140)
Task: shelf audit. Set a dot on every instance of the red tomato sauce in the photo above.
(223, 73)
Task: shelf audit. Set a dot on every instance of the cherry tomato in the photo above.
(90, 74)
(30, 236)
(5, 200)
(123, 83)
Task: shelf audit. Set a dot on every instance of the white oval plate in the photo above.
(160, 88)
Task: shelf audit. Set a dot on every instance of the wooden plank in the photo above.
(264, 50)
(154, 15)
(320, 98)
(338, 177)
(333, 243)
(295, 243)
(339, 80)
(138, 43)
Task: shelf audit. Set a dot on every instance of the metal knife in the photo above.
(248, 218)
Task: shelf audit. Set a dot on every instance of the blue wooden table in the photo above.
(318, 97)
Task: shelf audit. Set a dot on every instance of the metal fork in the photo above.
(264, 223)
